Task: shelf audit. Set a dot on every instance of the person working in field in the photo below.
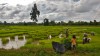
(92, 33)
(86, 39)
(49, 37)
(73, 42)
(60, 35)
(85, 34)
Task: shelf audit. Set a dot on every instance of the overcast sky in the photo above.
(58, 10)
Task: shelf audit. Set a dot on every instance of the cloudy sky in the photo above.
(58, 10)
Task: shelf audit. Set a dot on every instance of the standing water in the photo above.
(15, 44)
(0, 43)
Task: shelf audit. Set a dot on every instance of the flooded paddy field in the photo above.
(37, 40)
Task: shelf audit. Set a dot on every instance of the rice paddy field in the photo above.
(38, 43)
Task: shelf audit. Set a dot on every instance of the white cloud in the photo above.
(60, 10)
(15, 2)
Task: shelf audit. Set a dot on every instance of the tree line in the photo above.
(47, 22)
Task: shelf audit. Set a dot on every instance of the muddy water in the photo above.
(15, 44)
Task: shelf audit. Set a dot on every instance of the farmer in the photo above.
(60, 35)
(92, 33)
(50, 37)
(88, 40)
(85, 34)
(85, 38)
(73, 42)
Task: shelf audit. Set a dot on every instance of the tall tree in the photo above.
(46, 22)
(91, 23)
(70, 22)
(52, 22)
(95, 22)
(34, 13)
(5, 22)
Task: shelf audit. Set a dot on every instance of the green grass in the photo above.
(40, 34)
(5, 41)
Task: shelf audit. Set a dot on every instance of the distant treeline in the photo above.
(46, 22)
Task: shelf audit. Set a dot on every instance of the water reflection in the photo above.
(17, 43)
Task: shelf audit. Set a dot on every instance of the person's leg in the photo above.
(71, 47)
(86, 40)
(74, 47)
